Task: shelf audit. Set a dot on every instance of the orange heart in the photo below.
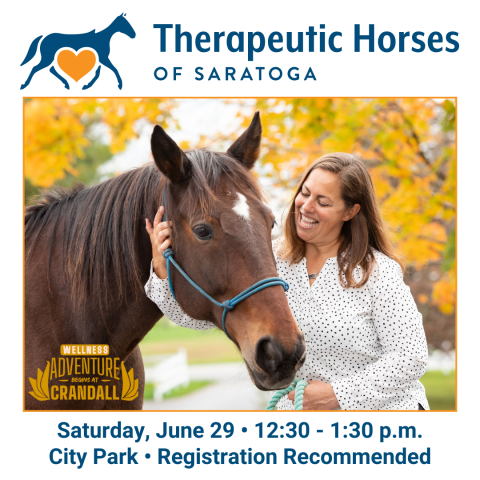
(76, 66)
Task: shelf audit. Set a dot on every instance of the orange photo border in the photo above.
(455, 98)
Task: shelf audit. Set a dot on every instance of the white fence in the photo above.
(166, 372)
(440, 360)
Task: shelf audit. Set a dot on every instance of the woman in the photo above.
(366, 347)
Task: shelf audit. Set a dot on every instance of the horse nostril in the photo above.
(300, 353)
(268, 354)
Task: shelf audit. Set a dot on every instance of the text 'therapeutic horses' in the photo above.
(98, 41)
(88, 257)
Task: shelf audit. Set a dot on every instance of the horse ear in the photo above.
(169, 157)
(246, 148)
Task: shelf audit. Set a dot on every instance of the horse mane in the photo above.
(100, 229)
(103, 226)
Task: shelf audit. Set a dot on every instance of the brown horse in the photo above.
(88, 257)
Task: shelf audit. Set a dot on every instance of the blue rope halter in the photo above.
(227, 305)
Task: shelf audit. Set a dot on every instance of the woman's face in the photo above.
(320, 210)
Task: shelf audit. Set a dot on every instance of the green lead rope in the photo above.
(299, 386)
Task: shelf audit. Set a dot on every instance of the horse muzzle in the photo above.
(275, 368)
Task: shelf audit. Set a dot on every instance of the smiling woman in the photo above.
(335, 208)
(366, 347)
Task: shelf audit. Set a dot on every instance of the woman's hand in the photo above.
(317, 396)
(160, 238)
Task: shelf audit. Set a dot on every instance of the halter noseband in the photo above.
(227, 305)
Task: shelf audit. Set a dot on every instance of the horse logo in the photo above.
(77, 65)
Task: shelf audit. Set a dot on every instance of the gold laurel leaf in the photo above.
(42, 399)
(44, 381)
(130, 385)
(125, 381)
(40, 391)
(129, 399)
(33, 383)
(134, 393)
(131, 379)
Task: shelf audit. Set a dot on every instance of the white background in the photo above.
(452, 437)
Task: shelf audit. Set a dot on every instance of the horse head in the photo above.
(122, 25)
(222, 239)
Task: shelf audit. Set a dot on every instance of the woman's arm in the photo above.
(157, 288)
(401, 336)
(158, 291)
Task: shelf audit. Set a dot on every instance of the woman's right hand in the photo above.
(159, 234)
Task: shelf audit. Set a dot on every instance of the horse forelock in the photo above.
(213, 172)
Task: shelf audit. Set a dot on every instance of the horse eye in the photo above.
(274, 222)
(202, 232)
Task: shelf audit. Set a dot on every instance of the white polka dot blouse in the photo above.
(368, 342)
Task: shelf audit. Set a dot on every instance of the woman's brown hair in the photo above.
(360, 235)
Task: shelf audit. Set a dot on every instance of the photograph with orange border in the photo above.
(221, 322)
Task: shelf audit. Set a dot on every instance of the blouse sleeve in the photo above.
(404, 352)
(159, 292)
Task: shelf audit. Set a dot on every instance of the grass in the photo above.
(440, 390)
(211, 346)
(203, 346)
(179, 391)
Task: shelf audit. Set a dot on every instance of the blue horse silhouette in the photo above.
(100, 42)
